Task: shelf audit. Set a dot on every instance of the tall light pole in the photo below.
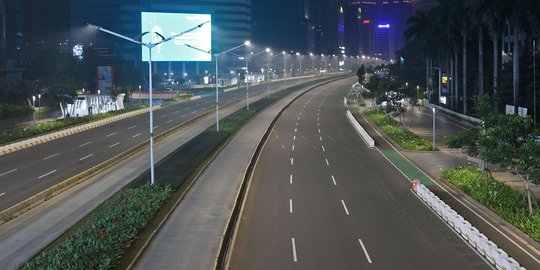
(34, 106)
(433, 128)
(39, 105)
(216, 55)
(300, 58)
(534, 79)
(247, 58)
(284, 64)
(149, 45)
(312, 62)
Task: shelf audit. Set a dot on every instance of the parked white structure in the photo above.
(92, 104)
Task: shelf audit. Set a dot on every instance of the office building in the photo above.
(385, 42)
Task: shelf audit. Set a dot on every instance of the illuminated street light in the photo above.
(149, 45)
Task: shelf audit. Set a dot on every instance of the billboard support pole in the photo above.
(217, 93)
(152, 179)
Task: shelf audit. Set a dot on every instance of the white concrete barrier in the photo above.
(360, 130)
(469, 233)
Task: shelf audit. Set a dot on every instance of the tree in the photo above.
(360, 73)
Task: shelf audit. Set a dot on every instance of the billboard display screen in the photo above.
(169, 24)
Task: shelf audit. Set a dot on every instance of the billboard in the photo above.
(169, 24)
(105, 78)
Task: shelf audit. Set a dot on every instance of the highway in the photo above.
(319, 198)
(27, 172)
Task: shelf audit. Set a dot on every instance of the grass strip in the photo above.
(506, 202)
(401, 135)
(15, 134)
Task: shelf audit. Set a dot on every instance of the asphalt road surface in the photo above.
(320, 198)
(27, 172)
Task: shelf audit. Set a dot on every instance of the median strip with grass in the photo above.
(102, 247)
(399, 134)
(15, 134)
(506, 202)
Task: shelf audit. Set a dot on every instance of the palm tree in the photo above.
(494, 18)
(418, 28)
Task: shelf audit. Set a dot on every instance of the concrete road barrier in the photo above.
(468, 232)
(360, 130)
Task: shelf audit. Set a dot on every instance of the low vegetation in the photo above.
(40, 128)
(500, 198)
(398, 133)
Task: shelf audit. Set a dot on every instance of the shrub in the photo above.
(101, 240)
(401, 135)
(502, 199)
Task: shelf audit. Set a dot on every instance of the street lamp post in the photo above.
(284, 64)
(267, 50)
(149, 45)
(300, 59)
(216, 55)
(34, 106)
(433, 128)
(39, 106)
(312, 62)
(534, 79)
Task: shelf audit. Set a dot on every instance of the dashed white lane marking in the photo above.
(290, 179)
(324, 150)
(345, 207)
(204, 108)
(297, 123)
(193, 111)
(2, 194)
(8, 172)
(318, 124)
(83, 158)
(292, 161)
(112, 134)
(183, 115)
(277, 137)
(169, 121)
(365, 250)
(317, 119)
(334, 180)
(320, 138)
(295, 130)
(319, 130)
(294, 138)
(293, 147)
(155, 127)
(49, 173)
(84, 144)
(113, 145)
(132, 127)
(327, 164)
(298, 118)
(282, 146)
(293, 241)
(290, 206)
(300, 114)
(163, 116)
(136, 135)
(51, 156)
(176, 111)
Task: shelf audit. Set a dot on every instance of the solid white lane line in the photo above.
(2, 194)
(53, 155)
(83, 158)
(112, 134)
(84, 144)
(51, 172)
(136, 135)
(132, 127)
(8, 172)
(327, 164)
(164, 116)
(290, 206)
(290, 179)
(113, 145)
(293, 147)
(365, 250)
(345, 207)
(295, 259)
(324, 150)
(169, 121)
(334, 180)
(292, 161)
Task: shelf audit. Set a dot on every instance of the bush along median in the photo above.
(506, 202)
(40, 128)
(398, 133)
(99, 241)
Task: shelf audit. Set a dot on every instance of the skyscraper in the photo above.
(385, 42)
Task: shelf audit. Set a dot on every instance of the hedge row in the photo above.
(14, 111)
(401, 135)
(102, 239)
(40, 128)
(500, 198)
